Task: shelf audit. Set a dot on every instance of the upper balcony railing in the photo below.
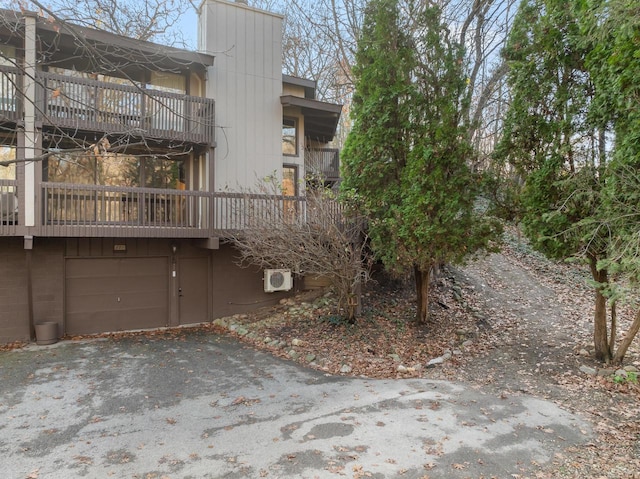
(10, 84)
(114, 108)
(324, 162)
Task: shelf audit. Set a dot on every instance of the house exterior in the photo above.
(125, 165)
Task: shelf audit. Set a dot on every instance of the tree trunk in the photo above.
(614, 327)
(423, 276)
(600, 339)
(628, 339)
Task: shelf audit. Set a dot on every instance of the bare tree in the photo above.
(314, 237)
(151, 20)
(321, 37)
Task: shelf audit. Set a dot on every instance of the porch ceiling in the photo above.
(320, 118)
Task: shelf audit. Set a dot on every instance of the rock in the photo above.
(293, 354)
(395, 357)
(457, 352)
(446, 356)
(435, 361)
(296, 342)
(345, 369)
(268, 340)
(283, 301)
(222, 322)
(605, 372)
(242, 331)
(467, 343)
(630, 369)
(310, 358)
(588, 370)
(621, 373)
(401, 368)
(583, 352)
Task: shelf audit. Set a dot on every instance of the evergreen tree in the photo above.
(405, 159)
(612, 30)
(572, 68)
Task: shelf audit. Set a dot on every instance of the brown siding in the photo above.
(14, 310)
(238, 290)
(47, 280)
(228, 288)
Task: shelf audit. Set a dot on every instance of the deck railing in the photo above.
(8, 207)
(85, 103)
(76, 210)
(115, 108)
(92, 210)
(324, 162)
(10, 84)
(237, 211)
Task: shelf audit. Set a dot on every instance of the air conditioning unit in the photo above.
(277, 280)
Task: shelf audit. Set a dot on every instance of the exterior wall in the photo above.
(48, 284)
(293, 90)
(246, 81)
(239, 290)
(14, 313)
(210, 280)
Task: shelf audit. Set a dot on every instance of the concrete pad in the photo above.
(202, 406)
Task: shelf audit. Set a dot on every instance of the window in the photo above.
(7, 153)
(168, 82)
(289, 137)
(8, 193)
(111, 169)
(290, 180)
(7, 56)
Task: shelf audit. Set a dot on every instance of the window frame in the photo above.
(295, 169)
(295, 136)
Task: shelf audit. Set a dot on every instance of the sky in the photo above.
(189, 28)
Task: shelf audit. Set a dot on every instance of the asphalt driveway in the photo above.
(203, 406)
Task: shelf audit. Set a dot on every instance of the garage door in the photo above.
(115, 294)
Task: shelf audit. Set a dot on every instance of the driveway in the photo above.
(198, 405)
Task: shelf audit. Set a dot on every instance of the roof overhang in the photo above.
(118, 51)
(320, 118)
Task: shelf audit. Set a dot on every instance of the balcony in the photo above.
(91, 210)
(105, 211)
(85, 104)
(323, 162)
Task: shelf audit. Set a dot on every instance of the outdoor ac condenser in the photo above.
(277, 280)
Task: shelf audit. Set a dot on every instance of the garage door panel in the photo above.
(143, 300)
(142, 284)
(88, 287)
(115, 294)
